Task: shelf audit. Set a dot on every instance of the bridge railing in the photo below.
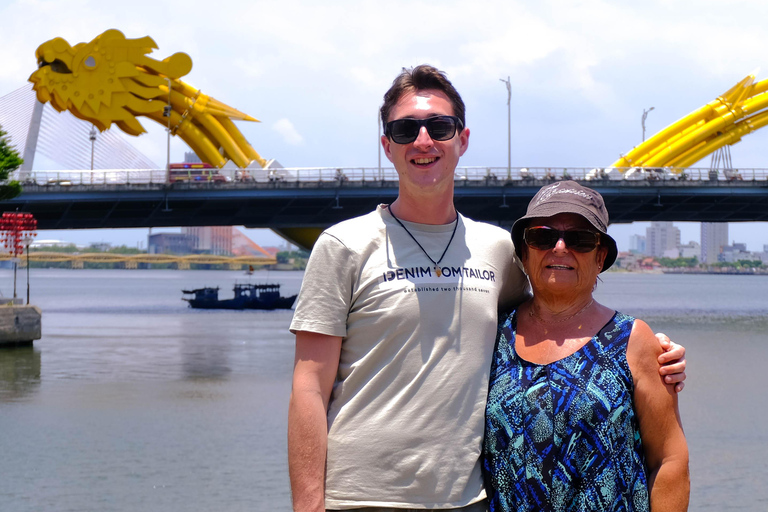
(88, 177)
(341, 175)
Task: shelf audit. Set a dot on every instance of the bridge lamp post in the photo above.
(645, 115)
(92, 138)
(508, 83)
(167, 113)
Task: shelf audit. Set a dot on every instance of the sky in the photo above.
(581, 74)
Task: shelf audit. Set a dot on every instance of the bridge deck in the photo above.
(285, 202)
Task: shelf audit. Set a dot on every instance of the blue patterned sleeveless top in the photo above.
(564, 436)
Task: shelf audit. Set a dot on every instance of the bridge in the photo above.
(132, 261)
(300, 202)
(651, 182)
(288, 199)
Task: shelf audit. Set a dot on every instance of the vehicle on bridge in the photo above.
(187, 172)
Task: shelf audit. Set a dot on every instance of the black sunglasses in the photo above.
(405, 131)
(544, 238)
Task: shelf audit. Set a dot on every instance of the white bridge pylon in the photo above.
(35, 128)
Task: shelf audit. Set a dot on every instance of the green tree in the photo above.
(282, 256)
(679, 262)
(9, 162)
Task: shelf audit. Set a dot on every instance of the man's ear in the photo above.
(386, 144)
(463, 141)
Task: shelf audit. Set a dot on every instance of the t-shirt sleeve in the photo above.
(515, 288)
(326, 291)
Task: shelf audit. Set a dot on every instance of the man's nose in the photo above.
(423, 140)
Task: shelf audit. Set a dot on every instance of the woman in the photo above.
(578, 417)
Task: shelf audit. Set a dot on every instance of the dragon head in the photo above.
(109, 79)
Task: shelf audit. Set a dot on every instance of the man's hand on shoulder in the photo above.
(672, 362)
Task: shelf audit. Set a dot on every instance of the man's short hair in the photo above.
(421, 78)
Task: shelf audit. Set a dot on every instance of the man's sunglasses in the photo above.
(544, 238)
(405, 131)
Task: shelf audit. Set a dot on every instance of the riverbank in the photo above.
(718, 271)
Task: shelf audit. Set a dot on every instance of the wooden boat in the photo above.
(247, 296)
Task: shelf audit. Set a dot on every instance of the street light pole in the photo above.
(378, 122)
(508, 83)
(645, 115)
(167, 113)
(92, 137)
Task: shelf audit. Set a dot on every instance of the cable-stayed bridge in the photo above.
(299, 202)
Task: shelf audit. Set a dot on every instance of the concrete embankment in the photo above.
(19, 325)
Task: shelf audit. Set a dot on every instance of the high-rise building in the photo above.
(714, 236)
(190, 157)
(661, 237)
(171, 243)
(212, 239)
(637, 244)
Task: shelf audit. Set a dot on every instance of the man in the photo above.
(393, 416)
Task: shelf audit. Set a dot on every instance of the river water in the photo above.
(132, 401)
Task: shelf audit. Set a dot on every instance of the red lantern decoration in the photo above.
(18, 228)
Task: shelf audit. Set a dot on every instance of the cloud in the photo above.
(289, 133)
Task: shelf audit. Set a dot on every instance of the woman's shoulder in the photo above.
(643, 347)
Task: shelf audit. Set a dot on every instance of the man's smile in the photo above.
(424, 160)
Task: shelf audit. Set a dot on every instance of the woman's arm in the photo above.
(661, 430)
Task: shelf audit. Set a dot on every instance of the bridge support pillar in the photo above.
(182, 265)
(30, 148)
(235, 266)
(76, 264)
(130, 265)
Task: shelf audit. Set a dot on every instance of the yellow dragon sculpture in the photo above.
(112, 80)
(724, 121)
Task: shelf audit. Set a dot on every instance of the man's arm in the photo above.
(315, 367)
(672, 361)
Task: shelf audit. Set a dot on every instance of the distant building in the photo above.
(661, 237)
(215, 240)
(637, 244)
(673, 253)
(628, 260)
(171, 243)
(190, 157)
(714, 236)
(49, 243)
(735, 252)
(649, 264)
(100, 246)
(690, 250)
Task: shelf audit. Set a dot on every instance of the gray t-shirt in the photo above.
(406, 414)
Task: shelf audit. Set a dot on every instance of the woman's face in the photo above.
(561, 270)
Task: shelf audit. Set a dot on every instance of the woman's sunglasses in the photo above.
(405, 131)
(544, 238)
